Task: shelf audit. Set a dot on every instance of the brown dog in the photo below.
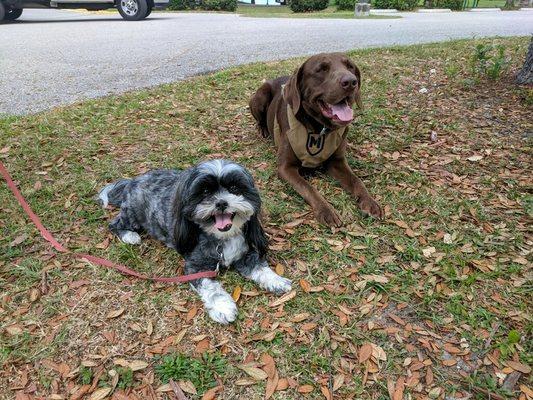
(308, 115)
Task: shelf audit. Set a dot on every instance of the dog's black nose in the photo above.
(221, 205)
(348, 82)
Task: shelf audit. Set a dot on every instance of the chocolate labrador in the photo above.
(308, 115)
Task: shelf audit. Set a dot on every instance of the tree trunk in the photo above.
(525, 76)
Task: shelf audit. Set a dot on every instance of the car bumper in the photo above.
(161, 4)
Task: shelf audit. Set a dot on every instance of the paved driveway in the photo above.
(57, 57)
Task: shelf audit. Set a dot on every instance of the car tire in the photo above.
(2, 11)
(148, 12)
(132, 10)
(12, 14)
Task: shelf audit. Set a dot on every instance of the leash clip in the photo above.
(221, 260)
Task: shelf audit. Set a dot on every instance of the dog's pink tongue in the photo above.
(343, 111)
(222, 220)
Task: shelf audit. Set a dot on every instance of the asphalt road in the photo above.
(57, 57)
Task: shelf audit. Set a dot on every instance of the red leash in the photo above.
(45, 233)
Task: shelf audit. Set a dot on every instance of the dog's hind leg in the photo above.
(259, 106)
(125, 227)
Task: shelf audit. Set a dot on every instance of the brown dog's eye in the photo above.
(323, 67)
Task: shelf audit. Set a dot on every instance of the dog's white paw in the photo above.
(269, 280)
(278, 285)
(222, 308)
(130, 237)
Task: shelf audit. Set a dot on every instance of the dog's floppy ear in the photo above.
(291, 91)
(358, 100)
(255, 235)
(186, 232)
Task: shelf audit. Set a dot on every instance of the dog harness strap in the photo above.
(311, 148)
(45, 233)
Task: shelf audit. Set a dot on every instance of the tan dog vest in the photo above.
(311, 148)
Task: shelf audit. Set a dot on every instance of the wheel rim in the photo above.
(130, 7)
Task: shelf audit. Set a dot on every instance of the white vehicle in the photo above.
(131, 10)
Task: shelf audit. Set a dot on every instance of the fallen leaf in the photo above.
(137, 365)
(100, 393)
(528, 392)
(283, 299)
(280, 269)
(18, 240)
(365, 352)
(525, 369)
(306, 389)
(14, 330)
(399, 388)
(187, 386)
(211, 393)
(326, 392)
(475, 158)
(338, 381)
(272, 384)
(269, 365)
(236, 293)
(283, 384)
(306, 286)
(178, 390)
(115, 313)
(256, 373)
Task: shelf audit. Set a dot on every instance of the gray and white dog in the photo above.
(209, 214)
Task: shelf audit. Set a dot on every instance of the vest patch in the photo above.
(315, 143)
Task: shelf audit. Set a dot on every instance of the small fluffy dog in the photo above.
(209, 214)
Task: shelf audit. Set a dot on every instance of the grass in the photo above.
(447, 270)
(259, 11)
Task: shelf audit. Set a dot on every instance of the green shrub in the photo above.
(489, 61)
(219, 5)
(402, 5)
(212, 5)
(345, 4)
(308, 5)
(182, 5)
(455, 5)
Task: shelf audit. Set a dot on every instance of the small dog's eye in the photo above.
(233, 189)
(206, 191)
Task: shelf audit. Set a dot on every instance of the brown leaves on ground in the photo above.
(405, 308)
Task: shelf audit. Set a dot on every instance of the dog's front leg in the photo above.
(256, 269)
(338, 168)
(324, 212)
(219, 304)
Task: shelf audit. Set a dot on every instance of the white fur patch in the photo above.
(104, 195)
(218, 167)
(234, 249)
(269, 280)
(218, 303)
(130, 237)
